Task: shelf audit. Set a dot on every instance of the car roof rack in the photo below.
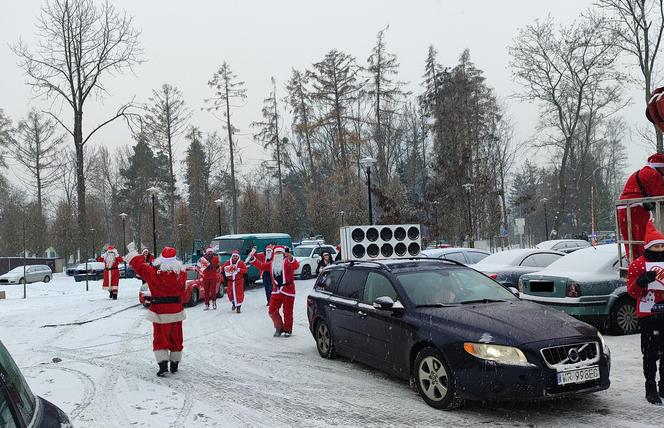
(387, 268)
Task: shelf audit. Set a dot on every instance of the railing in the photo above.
(656, 214)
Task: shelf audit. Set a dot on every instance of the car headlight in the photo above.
(499, 353)
(605, 347)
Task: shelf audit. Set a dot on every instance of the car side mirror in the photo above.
(514, 291)
(384, 303)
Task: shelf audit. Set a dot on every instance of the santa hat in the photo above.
(269, 248)
(111, 249)
(279, 249)
(655, 108)
(653, 236)
(235, 252)
(168, 262)
(209, 250)
(656, 160)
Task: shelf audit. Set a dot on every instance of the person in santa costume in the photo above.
(282, 269)
(264, 274)
(111, 260)
(209, 266)
(645, 282)
(234, 271)
(149, 258)
(166, 276)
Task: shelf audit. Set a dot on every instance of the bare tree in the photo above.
(36, 148)
(638, 28)
(226, 89)
(166, 118)
(81, 43)
(299, 99)
(561, 69)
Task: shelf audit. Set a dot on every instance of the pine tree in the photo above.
(195, 178)
(299, 99)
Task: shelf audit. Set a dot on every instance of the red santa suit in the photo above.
(234, 271)
(653, 184)
(111, 260)
(166, 278)
(282, 273)
(208, 265)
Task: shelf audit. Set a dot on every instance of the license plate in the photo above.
(579, 375)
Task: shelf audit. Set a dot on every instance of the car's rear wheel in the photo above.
(306, 272)
(434, 380)
(324, 342)
(623, 317)
(47, 278)
(194, 297)
(21, 281)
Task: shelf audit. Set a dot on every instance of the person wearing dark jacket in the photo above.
(326, 260)
(644, 282)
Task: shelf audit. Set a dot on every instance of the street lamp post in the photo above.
(546, 219)
(124, 216)
(153, 192)
(367, 163)
(218, 203)
(435, 222)
(343, 218)
(94, 243)
(468, 187)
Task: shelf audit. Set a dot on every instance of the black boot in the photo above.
(163, 368)
(238, 309)
(651, 393)
(115, 296)
(174, 366)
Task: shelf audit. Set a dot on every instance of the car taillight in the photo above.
(573, 289)
(520, 285)
(492, 275)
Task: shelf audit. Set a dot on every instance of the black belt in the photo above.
(113, 268)
(163, 300)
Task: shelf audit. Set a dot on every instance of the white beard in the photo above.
(109, 259)
(278, 265)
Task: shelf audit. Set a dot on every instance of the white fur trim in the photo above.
(127, 258)
(176, 356)
(286, 294)
(168, 265)
(653, 242)
(165, 318)
(161, 355)
(656, 165)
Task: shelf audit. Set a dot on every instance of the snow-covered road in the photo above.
(234, 373)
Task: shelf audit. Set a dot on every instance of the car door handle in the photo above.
(332, 305)
(362, 314)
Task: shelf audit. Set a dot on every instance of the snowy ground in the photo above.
(234, 373)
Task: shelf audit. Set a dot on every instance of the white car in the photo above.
(563, 245)
(34, 273)
(308, 257)
(467, 256)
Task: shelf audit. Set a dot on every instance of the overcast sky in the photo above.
(186, 41)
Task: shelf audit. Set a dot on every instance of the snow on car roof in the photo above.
(510, 257)
(435, 252)
(591, 259)
(552, 242)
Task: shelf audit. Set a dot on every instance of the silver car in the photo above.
(33, 273)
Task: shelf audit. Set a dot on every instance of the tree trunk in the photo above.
(230, 144)
(562, 192)
(80, 182)
(305, 121)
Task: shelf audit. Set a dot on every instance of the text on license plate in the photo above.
(579, 375)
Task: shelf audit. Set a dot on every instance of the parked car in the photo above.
(467, 256)
(95, 271)
(33, 273)
(223, 245)
(587, 285)
(563, 245)
(308, 256)
(454, 332)
(506, 267)
(126, 273)
(19, 407)
(193, 293)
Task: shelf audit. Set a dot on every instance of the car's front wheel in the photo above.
(306, 272)
(434, 380)
(324, 342)
(47, 278)
(21, 281)
(623, 317)
(194, 297)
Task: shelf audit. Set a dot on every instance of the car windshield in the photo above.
(18, 390)
(302, 252)
(227, 245)
(507, 258)
(451, 286)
